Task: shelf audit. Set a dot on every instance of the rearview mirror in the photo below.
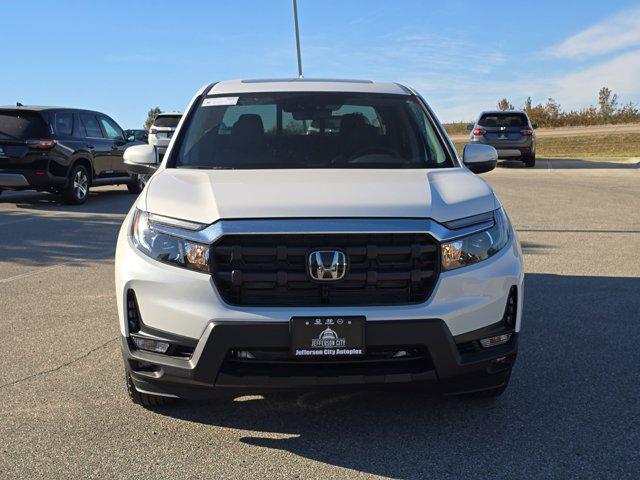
(141, 159)
(480, 158)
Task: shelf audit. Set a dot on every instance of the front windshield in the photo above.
(310, 130)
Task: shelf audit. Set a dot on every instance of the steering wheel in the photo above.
(364, 151)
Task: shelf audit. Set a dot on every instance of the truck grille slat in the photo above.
(271, 270)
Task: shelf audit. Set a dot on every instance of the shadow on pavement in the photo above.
(543, 163)
(572, 405)
(42, 232)
(533, 248)
(101, 200)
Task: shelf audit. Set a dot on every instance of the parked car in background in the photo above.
(61, 150)
(366, 253)
(509, 131)
(138, 135)
(162, 130)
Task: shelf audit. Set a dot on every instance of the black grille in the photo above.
(378, 361)
(271, 270)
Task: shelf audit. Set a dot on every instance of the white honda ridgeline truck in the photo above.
(315, 234)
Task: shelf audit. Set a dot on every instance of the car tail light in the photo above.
(41, 143)
(153, 131)
(478, 132)
(526, 131)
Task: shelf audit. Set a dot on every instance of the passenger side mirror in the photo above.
(470, 126)
(131, 138)
(480, 158)
(141, 159)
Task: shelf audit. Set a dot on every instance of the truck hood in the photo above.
(206, 196)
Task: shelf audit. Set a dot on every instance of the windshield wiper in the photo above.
(201, 167)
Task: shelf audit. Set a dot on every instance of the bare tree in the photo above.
(553, 112)
(504, 105)
(608, 103)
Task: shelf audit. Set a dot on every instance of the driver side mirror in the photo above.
(131, 138)
(470, 126)
(141, 159)
(480, 158)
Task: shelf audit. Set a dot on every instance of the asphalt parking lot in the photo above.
(572, 409)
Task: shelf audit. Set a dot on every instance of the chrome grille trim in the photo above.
(304, 226)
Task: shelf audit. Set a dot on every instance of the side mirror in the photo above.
(131, 138)
(470, 126)
(141, 159)
(535, 125)
(480, 158)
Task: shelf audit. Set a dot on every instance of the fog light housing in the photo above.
(133, 314)
(511, 309)
(495, 341)
(150, 344)
(245, 355)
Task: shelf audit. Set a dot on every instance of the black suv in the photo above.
(61, 150)
(136, 134)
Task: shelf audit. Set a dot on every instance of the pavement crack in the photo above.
(55, 369)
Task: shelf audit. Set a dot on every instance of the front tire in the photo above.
(137, 184)
(145, 400)
(77, 190)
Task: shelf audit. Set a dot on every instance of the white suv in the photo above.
(269, 251)
(162, 130)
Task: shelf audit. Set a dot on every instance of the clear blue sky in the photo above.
(126, 57)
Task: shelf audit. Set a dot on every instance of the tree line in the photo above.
(550, 114)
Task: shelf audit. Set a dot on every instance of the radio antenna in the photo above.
(295, 19)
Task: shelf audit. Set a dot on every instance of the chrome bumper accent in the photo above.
(508, 152)
(13, 180)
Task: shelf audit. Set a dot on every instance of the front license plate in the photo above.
(315, 337)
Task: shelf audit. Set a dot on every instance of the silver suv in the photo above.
(162, 130)
(509, 131)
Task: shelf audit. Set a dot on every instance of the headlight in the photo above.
(477, 247)
(168, 248)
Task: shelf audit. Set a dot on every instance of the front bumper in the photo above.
(446, 369)
(183, 304)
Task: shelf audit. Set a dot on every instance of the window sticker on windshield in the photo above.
(217, 101)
